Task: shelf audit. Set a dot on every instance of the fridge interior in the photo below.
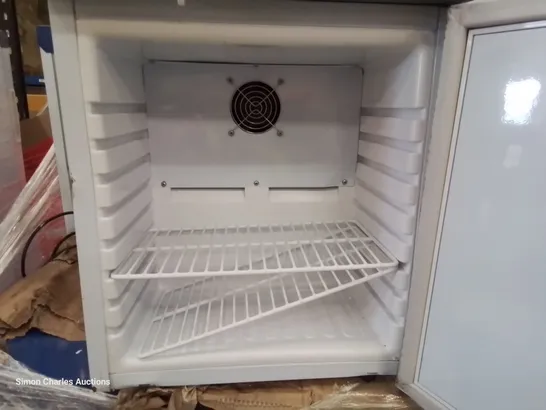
(215, 258)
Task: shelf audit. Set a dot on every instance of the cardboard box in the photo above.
(36, 129)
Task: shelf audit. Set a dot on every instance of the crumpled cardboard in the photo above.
(49, 299)
(353, 393)
(36, 129)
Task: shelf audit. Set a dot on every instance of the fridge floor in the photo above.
(329, 334)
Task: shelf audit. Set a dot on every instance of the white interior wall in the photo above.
(390, 157)
(118, 141)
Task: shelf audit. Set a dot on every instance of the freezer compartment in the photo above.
(334, 329)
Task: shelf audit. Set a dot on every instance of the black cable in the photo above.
(56, 251)
(33, 234)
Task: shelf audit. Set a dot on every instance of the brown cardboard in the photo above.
(36, 129)
(30, 15)
(324, 394)
(49, 299)
(143, 398)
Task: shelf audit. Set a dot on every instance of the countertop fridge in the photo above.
(284, 190)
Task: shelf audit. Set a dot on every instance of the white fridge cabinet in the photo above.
(285, 190)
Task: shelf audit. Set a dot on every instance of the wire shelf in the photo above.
(209, 306)
(258, 249)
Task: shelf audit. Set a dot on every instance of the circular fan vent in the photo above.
(255, 107)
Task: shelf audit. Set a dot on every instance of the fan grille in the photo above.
(255, 107)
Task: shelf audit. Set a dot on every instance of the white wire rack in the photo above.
(336, 317)
(258, 249)
(210, 306)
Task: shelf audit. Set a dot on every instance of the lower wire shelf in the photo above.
(210, 306)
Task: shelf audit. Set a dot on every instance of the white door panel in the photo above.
(486, 330)
(482, 347)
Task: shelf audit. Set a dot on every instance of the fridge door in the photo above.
(475, 325)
